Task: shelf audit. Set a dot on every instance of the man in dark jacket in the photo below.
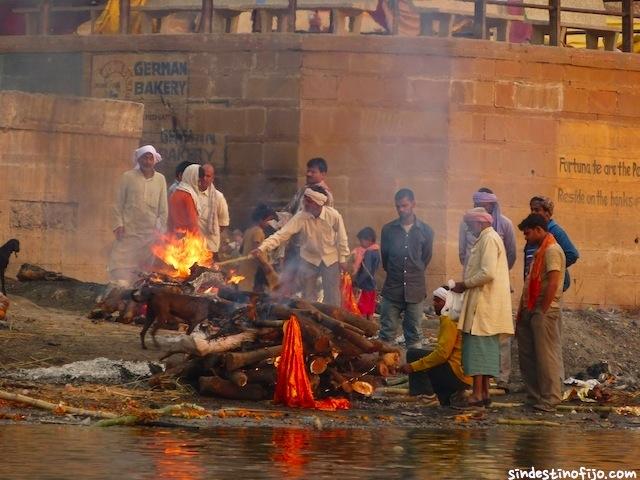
(406, 246)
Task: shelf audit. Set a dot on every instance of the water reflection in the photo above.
(62, 452)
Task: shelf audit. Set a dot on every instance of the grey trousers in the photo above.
(330, 276)
(540, 354)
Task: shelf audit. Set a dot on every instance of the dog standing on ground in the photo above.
(12, 246)
(165, 307)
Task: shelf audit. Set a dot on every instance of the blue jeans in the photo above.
(411, 324)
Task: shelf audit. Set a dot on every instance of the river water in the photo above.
(73, 452)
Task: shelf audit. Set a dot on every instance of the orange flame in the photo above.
(182, 253)
(235, 279)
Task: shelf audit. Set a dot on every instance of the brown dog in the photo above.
(165, 307)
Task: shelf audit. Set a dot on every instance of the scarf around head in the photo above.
(477, 214)
(535, 275)
(189, 183)
(484, 197)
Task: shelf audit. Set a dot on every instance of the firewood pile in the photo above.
(234, 352)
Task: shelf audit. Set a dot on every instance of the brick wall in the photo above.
(440, 116)
(60, 158)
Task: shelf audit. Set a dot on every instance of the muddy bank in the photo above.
(47, 326)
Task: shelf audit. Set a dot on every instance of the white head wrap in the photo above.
(447, 296)
(441, 293)
(316, 197)
(189, 183)
(146, 149)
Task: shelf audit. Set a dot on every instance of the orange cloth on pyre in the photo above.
(292, 385)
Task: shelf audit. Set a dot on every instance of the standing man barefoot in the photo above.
(486, 307)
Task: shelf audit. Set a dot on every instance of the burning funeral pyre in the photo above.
(233, 339)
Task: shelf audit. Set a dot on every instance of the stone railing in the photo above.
(486, 19)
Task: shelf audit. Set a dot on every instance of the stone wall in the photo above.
(440, 116)
(447, 117)
(60, 158)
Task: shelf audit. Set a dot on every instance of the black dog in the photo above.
(12, 246)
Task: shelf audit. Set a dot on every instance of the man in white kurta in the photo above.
(139, 214)
(324, 246)
(213, 210)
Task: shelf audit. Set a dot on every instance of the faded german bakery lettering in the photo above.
(160, 86)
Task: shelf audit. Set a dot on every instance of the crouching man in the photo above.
(439, 371)
(539, 321)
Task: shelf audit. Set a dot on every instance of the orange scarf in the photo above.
(535, 274)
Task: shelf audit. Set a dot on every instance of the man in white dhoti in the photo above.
(139, 214)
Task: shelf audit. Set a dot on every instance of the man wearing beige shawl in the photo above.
(486, 309)
(139, 213)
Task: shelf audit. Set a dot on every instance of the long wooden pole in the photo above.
(43, 405)
(293, 7)
(207, 15)
(627, 25)
(125, 9)
(480, 19)
(555, 24)
(45, 17)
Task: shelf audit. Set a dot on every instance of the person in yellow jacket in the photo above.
(438, 371)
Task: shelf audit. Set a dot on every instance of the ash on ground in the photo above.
(99, 370)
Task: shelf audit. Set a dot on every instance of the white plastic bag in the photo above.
(453, 306)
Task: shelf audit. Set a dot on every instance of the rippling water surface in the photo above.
(72, 452)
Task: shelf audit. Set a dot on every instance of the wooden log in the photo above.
(316, 338)
(52, 407)
(362, 387)
(270, 335)
(190, 370)
(369, 327)
(345, 350)
(235, 360)
(369, 363)
(526, 421)
(273, 279)
(238, 377)
(339, 380)
(323, 319)
(218, 387)
(270, 323)
(318, 365)
(264, 375)
(314, 381)
(232, 295)
(356, 376)
(274, 310)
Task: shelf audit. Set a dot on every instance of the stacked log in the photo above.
(238, 360)
(341, 357)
